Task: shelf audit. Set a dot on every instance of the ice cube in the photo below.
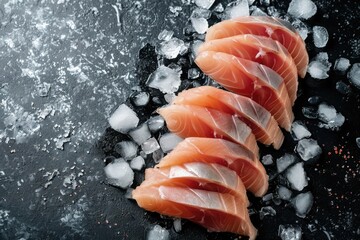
(303, 203)
(237, 8)
(358, 141)
(158, 233)
(165, 79)
(168, 141)
(265, 211)
(354, 75)
(126, 149)
(165, 35)
(140, 134)
(200, 25)
(331, 118)
(304, 9)
(171, 49)
(141, 99)
(119, 173)
(204, 3)
(177, 224)
(123, 119)
(284, 162)
(150, 145)
(299, 130)
(137, 163)
(308, 149)
(289, 232)
(267, 159)
(341, 64)
(342, 87)
(320, 36)
(156, 123)
(296, 176)
(284, 193)
(301, 28)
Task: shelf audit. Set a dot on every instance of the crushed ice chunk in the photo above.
(126, 149)
(284, 162)
(200, 25)
(171, 49)
(165, 79)
(319, 67)
(219, 8)
(267, 159)
(168, 141)
(200, 13)
(177, 224)
(43, 89)
(169, 97)
(165, 35)
(267, 197)
(141, 99)
(296, 176)
(303, 203)
(265, 211)
(158, 233)
(320, 36)
(257, 12)
(150, 145)
(358, 141)
(204, 3)
(301, 27)
(310, 112)
(265, 2)
(140, 134)
(284, 193)
(331, 118)
(157, 155)
(123, 119)
(354, 75)
(119, 173)
(308, 149)
(237, 8)
(193, 73)
(156, 123)
(304, 9)
(137, 163)
(342, 87)
(289, 232)
(299, 130)
(272, 11)
(342, 64)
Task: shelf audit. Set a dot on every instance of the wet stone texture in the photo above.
(67, 65)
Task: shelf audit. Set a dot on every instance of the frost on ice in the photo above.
(319, 67)
(158, 233)
(119, 173)
(303, 203)
(342, 64)
(320, 36)
(330, 117)
(289, 232)
(299, 130)
(284, 162)
(308, 149)
(168, 141)
(123, 119)
(304, 9)
(165, 79)
(296, 176)
(236, 9)
(354, 75)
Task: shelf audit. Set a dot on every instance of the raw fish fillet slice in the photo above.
(263, 125)
(249, 79)
(210, 150)
(259, 49)
(275, 28)
(218, 212)
(198, 175)
(194, 121)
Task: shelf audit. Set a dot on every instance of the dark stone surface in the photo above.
(89, 57)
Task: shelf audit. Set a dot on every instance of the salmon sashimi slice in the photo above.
(193, 121)
(250, 79)
(259, 49)
(210, 150)
(218, 212)
(263, 125)
(198, 175)
(275, 28)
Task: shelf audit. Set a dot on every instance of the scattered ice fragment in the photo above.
(303, 203)
(43, 89)
(155, 123)
(354, 75)
(158, 233)
(272, 11)
(157, 155)
(219, 8)
(314, 100)
(119, 173)
(341, 64)
(171, 49)
(200, 25)
(331, 118)
(264, 211)
(358, 142)
(59, 142)
(320, 36)
(165, 79)
(258, 12)
(267, 159)
(168, 141)
(310, 112)
(141, 99)
(304, 9)
(123, 119)
(126, 149)
(342, 87)
(308, 149)
(177, 224)
(204, 3)
(289, 232)
(299, 130)
(301, 27)
(137, 163)
(128, 193)
(267, 197)
(284, 193)
(319, 67)
(284, 162)
(140, 134)
(296, 176)
(237, 8)
(193, 73)
(150, 145)
(165, 35)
